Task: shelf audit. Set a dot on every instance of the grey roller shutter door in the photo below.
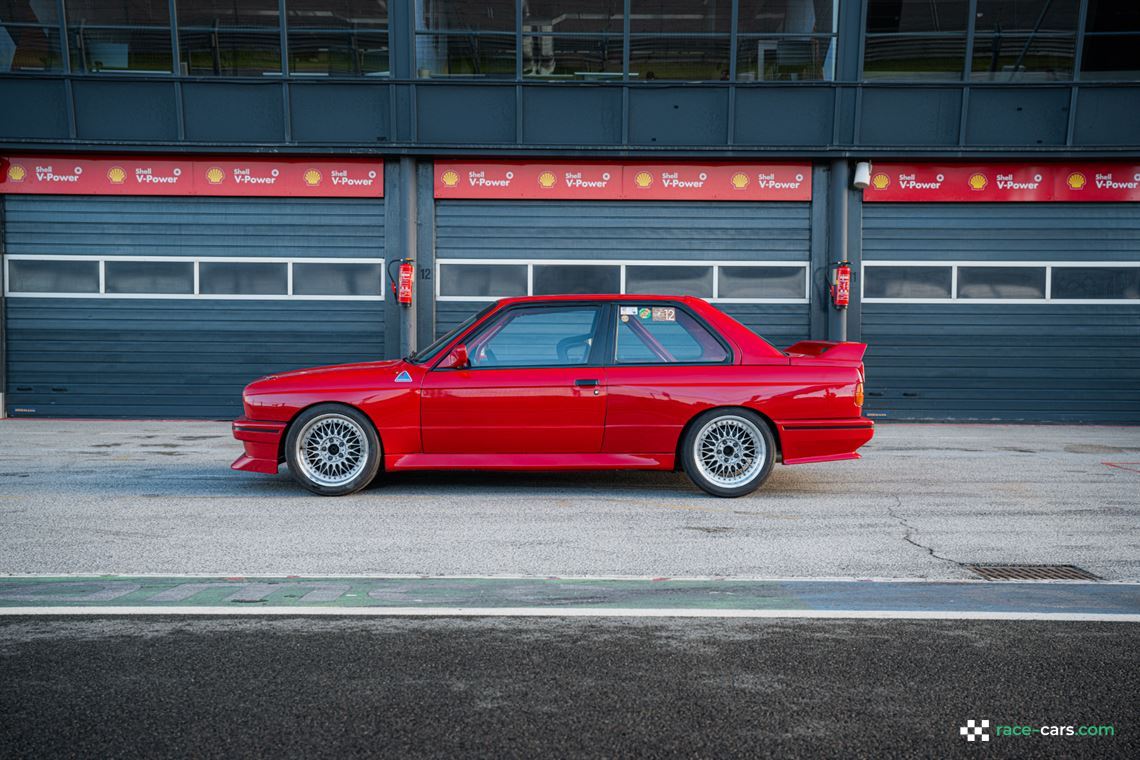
(634, 231)
(180, 357)
(1047, 362)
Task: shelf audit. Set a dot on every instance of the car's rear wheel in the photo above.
(333, 450)
(728, 452)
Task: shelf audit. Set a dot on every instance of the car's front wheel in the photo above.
(333, 450)
(728, 452)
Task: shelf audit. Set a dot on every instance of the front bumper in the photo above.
(262, 440)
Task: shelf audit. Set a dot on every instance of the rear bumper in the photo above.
(262, 440)
(805, 441)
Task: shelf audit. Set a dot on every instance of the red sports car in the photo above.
(600, 382)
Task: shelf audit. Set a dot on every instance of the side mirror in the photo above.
(457, 359)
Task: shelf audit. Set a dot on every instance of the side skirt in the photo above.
(522, 462)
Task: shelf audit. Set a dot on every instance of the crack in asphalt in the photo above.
(910, 530)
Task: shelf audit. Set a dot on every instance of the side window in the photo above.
(657, 334)
(541, 337)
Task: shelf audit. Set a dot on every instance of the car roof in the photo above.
(597, 297)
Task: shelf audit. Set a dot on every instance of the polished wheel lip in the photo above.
(730, 451)
(332, 449)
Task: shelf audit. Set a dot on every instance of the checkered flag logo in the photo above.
(974, 730)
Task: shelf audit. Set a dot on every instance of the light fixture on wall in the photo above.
(862, 175)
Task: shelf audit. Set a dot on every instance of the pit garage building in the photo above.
(195, 194)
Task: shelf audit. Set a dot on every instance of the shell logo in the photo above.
(880, 181)
(643, 179)
(546, 180)
(312, 178)
(1077, 181)
(978, 181)
(450, 178)
(739, 180)
(17, 173)
(116, 174)
(214, 175)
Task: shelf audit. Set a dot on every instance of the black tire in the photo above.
(739, 429)
(333, 470)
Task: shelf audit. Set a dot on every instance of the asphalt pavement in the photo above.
(158, 497)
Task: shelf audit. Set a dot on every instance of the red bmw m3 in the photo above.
(584, 382)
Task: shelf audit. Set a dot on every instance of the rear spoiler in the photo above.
(830, 351)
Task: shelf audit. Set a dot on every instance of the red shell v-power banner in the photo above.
(1102, 182)
(134, 175)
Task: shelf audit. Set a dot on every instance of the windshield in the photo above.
(428, 353)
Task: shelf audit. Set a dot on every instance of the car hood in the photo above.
(329, 375)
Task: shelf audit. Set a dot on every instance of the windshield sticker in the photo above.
(644, 313)
(629, 310)
(664, 314)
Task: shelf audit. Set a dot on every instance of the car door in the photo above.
(664, 370)
(534, 385)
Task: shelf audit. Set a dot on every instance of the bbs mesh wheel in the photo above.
(333, 450)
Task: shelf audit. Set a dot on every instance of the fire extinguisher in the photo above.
(841, 284)
(402, 283)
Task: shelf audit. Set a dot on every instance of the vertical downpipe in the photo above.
(408, 184)
(837, 235)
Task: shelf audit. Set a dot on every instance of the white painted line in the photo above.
(566, 612)
(295, 576)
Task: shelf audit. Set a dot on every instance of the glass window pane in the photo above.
(338, 53)
(116, 12)
(149, 277)
(552, 279)
(762, 282)
(230, 53)
(460, 15)
(138, 50)
(1113, 16)
(680, 16)
(1110, 57)
(224, 13)
(364, 15)
(30, 48)
(467, 55)
(1019, 57)
(689, 281)
(907, 282)
(1096, 282)
(239, 278)
(679, 58)
(337, 279)
(29, 12)
(787, 16)
(590, 16)
(482, 280)
(546, 337)
(53, 276)
(654, 333)
(571, 57)
(785, 59)
(917, 15)
(1001, 282)
(1026, 16)
(903, 57)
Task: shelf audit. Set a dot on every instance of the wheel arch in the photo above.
(727, 408)
(307, 407)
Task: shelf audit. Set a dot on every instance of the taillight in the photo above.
(858, 394)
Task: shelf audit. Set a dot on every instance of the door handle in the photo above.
(586, 383)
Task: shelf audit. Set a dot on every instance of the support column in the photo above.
(837, 236)
(408, 200)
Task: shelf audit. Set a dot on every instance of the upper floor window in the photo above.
(109, 36)
(29, 37)
(1112, 39)
(224, 38)
(337, 37)
(1013, 40)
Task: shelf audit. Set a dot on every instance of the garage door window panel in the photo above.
(557, 279)
(158, 277)
(908, 282)
(1096, 283)
(547, 337)
(679, 280)
(337, 279)
(1001, 282)
(482, 280)
(53, 276)
(233, 278)
(762, 282)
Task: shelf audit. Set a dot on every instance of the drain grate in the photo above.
(1033, 573)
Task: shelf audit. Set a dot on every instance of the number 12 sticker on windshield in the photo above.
(664, 314)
